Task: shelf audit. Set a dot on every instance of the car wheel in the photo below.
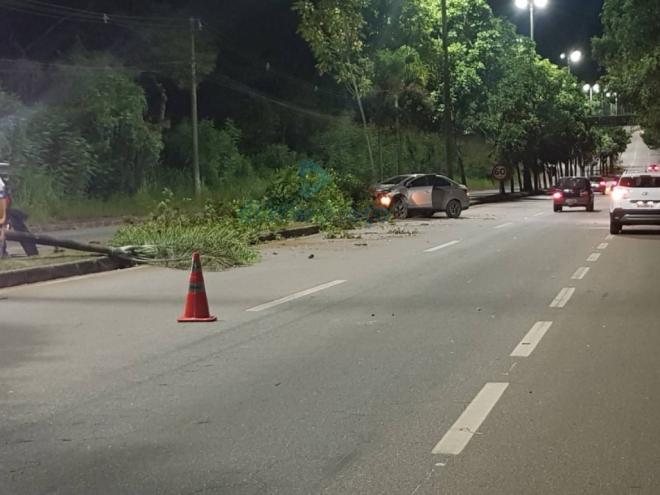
(454, 208)
(558, 208)
(399, 208)
(590, 206)
(615, 227)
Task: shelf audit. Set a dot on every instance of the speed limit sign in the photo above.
(500, 172)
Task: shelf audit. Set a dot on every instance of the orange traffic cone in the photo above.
(197, 306)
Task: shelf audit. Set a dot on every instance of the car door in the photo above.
(419, 193)
(441, 192)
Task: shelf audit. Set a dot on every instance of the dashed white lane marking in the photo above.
(508, 224)
(580, 273)
(297, 295)
(609, 237)
(532, 339)
(593, 257)
(538, 214)
(441, 246)
(462, 431)
(602, 245)
(563, 297)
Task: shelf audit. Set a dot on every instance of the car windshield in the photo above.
(398, 179)
(571, 183)
(640, 181)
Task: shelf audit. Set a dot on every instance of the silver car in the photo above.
(421, 194)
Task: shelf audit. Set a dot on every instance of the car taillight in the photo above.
(603, 183)
(557, 195)
(619, 193)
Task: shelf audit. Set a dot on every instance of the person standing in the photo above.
(4, 206)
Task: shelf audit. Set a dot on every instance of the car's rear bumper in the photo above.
(639, 216)
(576, 202)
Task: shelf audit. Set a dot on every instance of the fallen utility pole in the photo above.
(45, 240)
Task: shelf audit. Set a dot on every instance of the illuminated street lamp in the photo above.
(612, 95)
(573, 57)
(530, 4)
(591, 90)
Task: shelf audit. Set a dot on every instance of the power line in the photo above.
(25, 7)
(57, 7)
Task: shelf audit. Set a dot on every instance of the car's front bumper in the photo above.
(638, 216)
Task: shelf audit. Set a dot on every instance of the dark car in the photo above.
(571, 192)
(422, 194)
(598, 184)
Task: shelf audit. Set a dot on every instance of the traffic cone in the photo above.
(197, 306)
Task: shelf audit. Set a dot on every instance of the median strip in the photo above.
(295, 296)
(441, 246)
(532, 339)
(467, 425)
(563, 297)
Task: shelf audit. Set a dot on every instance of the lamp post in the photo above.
(591, 90)
(572, 57)
(614, 95)
(530, 4)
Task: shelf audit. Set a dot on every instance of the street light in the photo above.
(573, 57)
(614, 95)
(530, 4)
(591, 90)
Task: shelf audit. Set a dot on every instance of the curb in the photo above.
(502, 198)
(24, 276)
(33, 275)
(290, 233)
(53, 227)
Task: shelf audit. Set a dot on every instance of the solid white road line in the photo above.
(297, 295)
(469, 422)
(580, 273)
(532, 339)
(593, 257)
(563, 297)
(609, 237)
(442, 246)
(602, 245)
(508, 224)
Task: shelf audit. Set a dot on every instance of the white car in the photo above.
(636, 199)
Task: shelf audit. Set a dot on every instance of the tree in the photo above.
(398, 73)
(335, 31)
(630, 51)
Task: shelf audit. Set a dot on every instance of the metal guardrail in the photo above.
(613, 120)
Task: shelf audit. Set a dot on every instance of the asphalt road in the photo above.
(512, 351)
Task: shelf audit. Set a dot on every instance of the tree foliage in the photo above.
(630, 51)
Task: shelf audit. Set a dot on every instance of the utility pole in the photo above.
(531, 20)
(194, 25)
(449, 133)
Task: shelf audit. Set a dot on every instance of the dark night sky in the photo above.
(563, 25)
